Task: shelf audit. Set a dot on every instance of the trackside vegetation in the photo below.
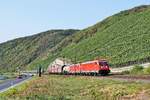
(55, 87)
(138, 70)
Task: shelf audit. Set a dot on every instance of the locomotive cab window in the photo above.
(103, 63)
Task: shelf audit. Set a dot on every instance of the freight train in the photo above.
(96, 67)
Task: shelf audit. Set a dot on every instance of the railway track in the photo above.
(119, 76)
(136, 78)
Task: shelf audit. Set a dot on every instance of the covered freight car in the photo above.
(57, 66)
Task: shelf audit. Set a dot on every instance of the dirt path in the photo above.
(121, 77)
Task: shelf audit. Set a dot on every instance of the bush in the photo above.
(137, 69)
(126, 72)
(147, 70)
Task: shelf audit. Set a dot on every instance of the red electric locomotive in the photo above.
(91, 67)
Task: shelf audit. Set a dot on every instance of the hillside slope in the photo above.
(123, 39)
(22, 51)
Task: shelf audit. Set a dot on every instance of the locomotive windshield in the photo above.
(103, 63)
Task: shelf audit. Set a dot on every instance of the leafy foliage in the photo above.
(137, 69)
(147, 70)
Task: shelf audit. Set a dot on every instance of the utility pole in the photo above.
(40, 72)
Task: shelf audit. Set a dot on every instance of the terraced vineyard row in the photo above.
(124, 42)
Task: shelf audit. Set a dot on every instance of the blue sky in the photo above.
(20, 18)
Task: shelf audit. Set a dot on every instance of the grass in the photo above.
(147, 70)
(55, 87)
(138, 70)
